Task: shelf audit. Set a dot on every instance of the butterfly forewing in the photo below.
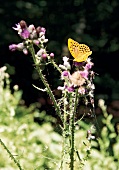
(79, 51)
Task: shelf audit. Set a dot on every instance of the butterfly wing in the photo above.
(80, 52)
(73, 47)
(82, 57)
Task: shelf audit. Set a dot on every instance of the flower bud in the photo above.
(38, 30)
(25, 51)
(44, 56)
(31, 28)
(13, 47)
(52, 55)
(23, 24)
(20, 46)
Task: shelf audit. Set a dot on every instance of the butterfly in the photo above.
(80, 52)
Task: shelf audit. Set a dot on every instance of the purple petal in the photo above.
(25, 34)
(13, 47)
(65, 73)
(70, 89)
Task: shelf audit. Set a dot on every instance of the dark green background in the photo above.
(95, 23)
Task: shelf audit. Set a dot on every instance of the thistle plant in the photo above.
(77, 81)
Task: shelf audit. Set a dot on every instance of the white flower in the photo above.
(61, 88)
(31, 28)
(40, 52)
(65, 59)
(62, 67)
(66, 63)
(18, 28)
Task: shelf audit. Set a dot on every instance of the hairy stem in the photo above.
(57, 108)
(56, 66)
(11, 156)
(64, 144)
(72, 126)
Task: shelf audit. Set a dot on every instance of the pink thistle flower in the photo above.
(25, 34)
(43, 30)
(84, 74)
(52, 55)
(65, 73)
(36, 42)
(89, 65)
(70, 89)
(76, 79)
(40, 30)
(13, 47)
(33, 34)
(44, 56)
(25, 51)
(40, 52)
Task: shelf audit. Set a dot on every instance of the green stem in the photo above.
(72, 124)
(11, 156)
(64, 145)
(72, 143)
(57, 108)
(56, 66)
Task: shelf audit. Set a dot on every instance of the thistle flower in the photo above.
(65, 74)
(23, 24)
(42, 39)
(44, 56)
(30, 35)
(25, 34)
(31, 28)
(40, 52)
(51, 55)
(77, 79)
(84, 74)
(36, 42)
(69, 88)
(25, 51)
(89, 64)
(81, 90)
(20, 46)
(13, 47)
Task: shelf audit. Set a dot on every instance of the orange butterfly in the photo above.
(80, 52)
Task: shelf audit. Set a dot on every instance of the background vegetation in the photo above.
(92, 22)
(38, 147)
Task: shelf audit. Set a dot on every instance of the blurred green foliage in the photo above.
(38, 147)
(35, 146)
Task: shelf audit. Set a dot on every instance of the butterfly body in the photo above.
(80, 52)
